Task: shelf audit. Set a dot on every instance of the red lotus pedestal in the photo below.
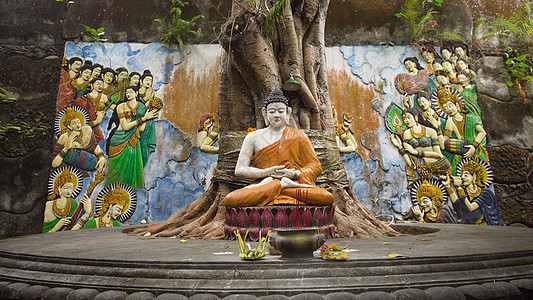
(262, 219)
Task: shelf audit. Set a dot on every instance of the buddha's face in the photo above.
(147, 81)
(66, 190)
(134, 80)
(131, 94)
(437, 66)
(409, 65)
(115, 211)
(109, 77)
(428, 57)
(86, 74)
(466, 178)
(409, 120)
(96, 72)
(446, 54)
(98, 86)
(122, 76)
(75, 66)
(450, 108)
(463, 80)
(443, 80)
(75, 125)
(426, 204)
(424, 103)
(277, 114)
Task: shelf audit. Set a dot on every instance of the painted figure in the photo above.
(94, 106)
(67, 93)
(475, 203)
(80, 84)
(413, 82)
(132, 142)
(437, 65)
(420, 148)
(428, 54)
(443, 80)
(428, 113)
(122, 74)
(461, 51)
(449, 67)
(108, 75)
(62, 203)
(429, 198)
(77, 145)
(280, 159)
(146, 92)
(97, 71)
(114, 204)
(460, 126)
(469, 93)
(344, 135)
(135, 79)
(208, 134)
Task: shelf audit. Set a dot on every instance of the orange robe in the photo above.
(294, 151)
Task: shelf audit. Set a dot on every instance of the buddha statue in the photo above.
(281, 160)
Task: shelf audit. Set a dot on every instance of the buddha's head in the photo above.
(276, 110)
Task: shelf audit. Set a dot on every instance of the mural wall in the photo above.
(138, 136)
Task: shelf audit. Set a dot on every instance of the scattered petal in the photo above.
(147, 234)
(183, 240)
(385, 243)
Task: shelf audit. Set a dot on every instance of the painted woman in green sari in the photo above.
(132, 142)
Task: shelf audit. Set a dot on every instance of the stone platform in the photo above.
(445, 262)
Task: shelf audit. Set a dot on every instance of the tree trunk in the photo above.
(256, 61)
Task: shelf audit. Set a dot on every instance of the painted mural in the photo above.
(137, 137)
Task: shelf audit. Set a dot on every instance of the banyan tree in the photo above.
(269, 43)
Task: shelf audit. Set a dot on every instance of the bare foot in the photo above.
(288, 183)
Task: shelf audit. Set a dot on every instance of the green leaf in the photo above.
(521, 57)
(509, 61)
(100, 30)
(88, 37)
(509, 83)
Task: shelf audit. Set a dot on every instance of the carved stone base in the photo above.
(255, 220)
